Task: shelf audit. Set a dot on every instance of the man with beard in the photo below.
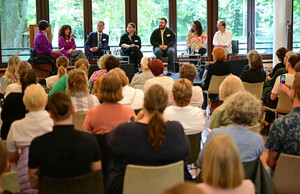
(163, 40)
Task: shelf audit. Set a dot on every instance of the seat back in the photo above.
(287, 174)
(152, 179)
(78, 119)
(10, 181)
(284, 104)
(90, 183)
(215, 83)
(254, 88)
(194, 140)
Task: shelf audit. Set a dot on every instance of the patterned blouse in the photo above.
(195, 40)
(96, 75)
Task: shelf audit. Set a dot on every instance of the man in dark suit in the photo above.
(97, 42)
(163, 40)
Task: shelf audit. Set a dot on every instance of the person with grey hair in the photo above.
(138, 81)
(223, 37)
(241, 108)
(255, 73)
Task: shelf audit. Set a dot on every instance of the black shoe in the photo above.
(169, 73)
(265, 130)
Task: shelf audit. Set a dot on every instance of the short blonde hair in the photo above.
(35, 98)
(230, 85)
(111, 88)
(144, 62)
(184, 188)
(12, 66)
(82, 64)
(242, 107)
(3, 157)
(121, 73)
(77, 82)
(219, 54)
(222, 166)
(188, 71)
(182, 92)
(287, 55)
(101, 62)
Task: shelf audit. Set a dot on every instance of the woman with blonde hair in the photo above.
(230, 85)
(100, 73)
(139, 80)
(77, 89)
(150, 141)
(35, 123)
(10, 75)
(16, 87)
(61, 84)
(222, 170)
(62, 64)
(132, 97)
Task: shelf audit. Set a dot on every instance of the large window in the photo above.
(197, 11)
(296, 26)
(16, 16)
(67, 12)
(112, 12)
(234, 12)
(264, 26)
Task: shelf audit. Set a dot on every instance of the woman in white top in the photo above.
(191, 118)
(134, 98)
(36, 122)
(16, 87)
(222, 170)
(223, 37)
(61, 63)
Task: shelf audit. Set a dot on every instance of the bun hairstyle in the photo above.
(82, 64)
(155, 102)
(60, 105)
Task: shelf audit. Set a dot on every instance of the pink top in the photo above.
(247, 187)
(96, 75)
(105, 117)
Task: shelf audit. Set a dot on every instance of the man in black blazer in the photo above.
(164, 45)
(97, 42)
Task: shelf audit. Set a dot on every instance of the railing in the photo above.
(263, 47)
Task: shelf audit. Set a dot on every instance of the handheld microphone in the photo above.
(72, 35)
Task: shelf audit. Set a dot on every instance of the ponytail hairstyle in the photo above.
(82, 64)
(155, 102)
(62, 63)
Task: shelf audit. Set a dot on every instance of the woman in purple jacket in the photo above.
(42, 45)
(66, 42)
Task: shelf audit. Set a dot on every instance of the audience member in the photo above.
(66, 42)
(10, 76)
(191, 118)
(61, 63)
(78, 90)
(35, 123)
(150, 141)
(42, 45)
(61, 84)
(230, 85)
(223, 37)
(106, 63)
(13, 107)
(255, 73)
(196, 39)
(280, 53)
(183, 188)
(218, 68)
(130, 44)
(157, 69)
(222, 170)
(139, 80)
(16, 87)
(134, 98)
(64, 152)
(4, 165)
(163, 40)
(241, 108)
(97, 42)
(285, 131)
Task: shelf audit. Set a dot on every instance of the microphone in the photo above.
(73, 35)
